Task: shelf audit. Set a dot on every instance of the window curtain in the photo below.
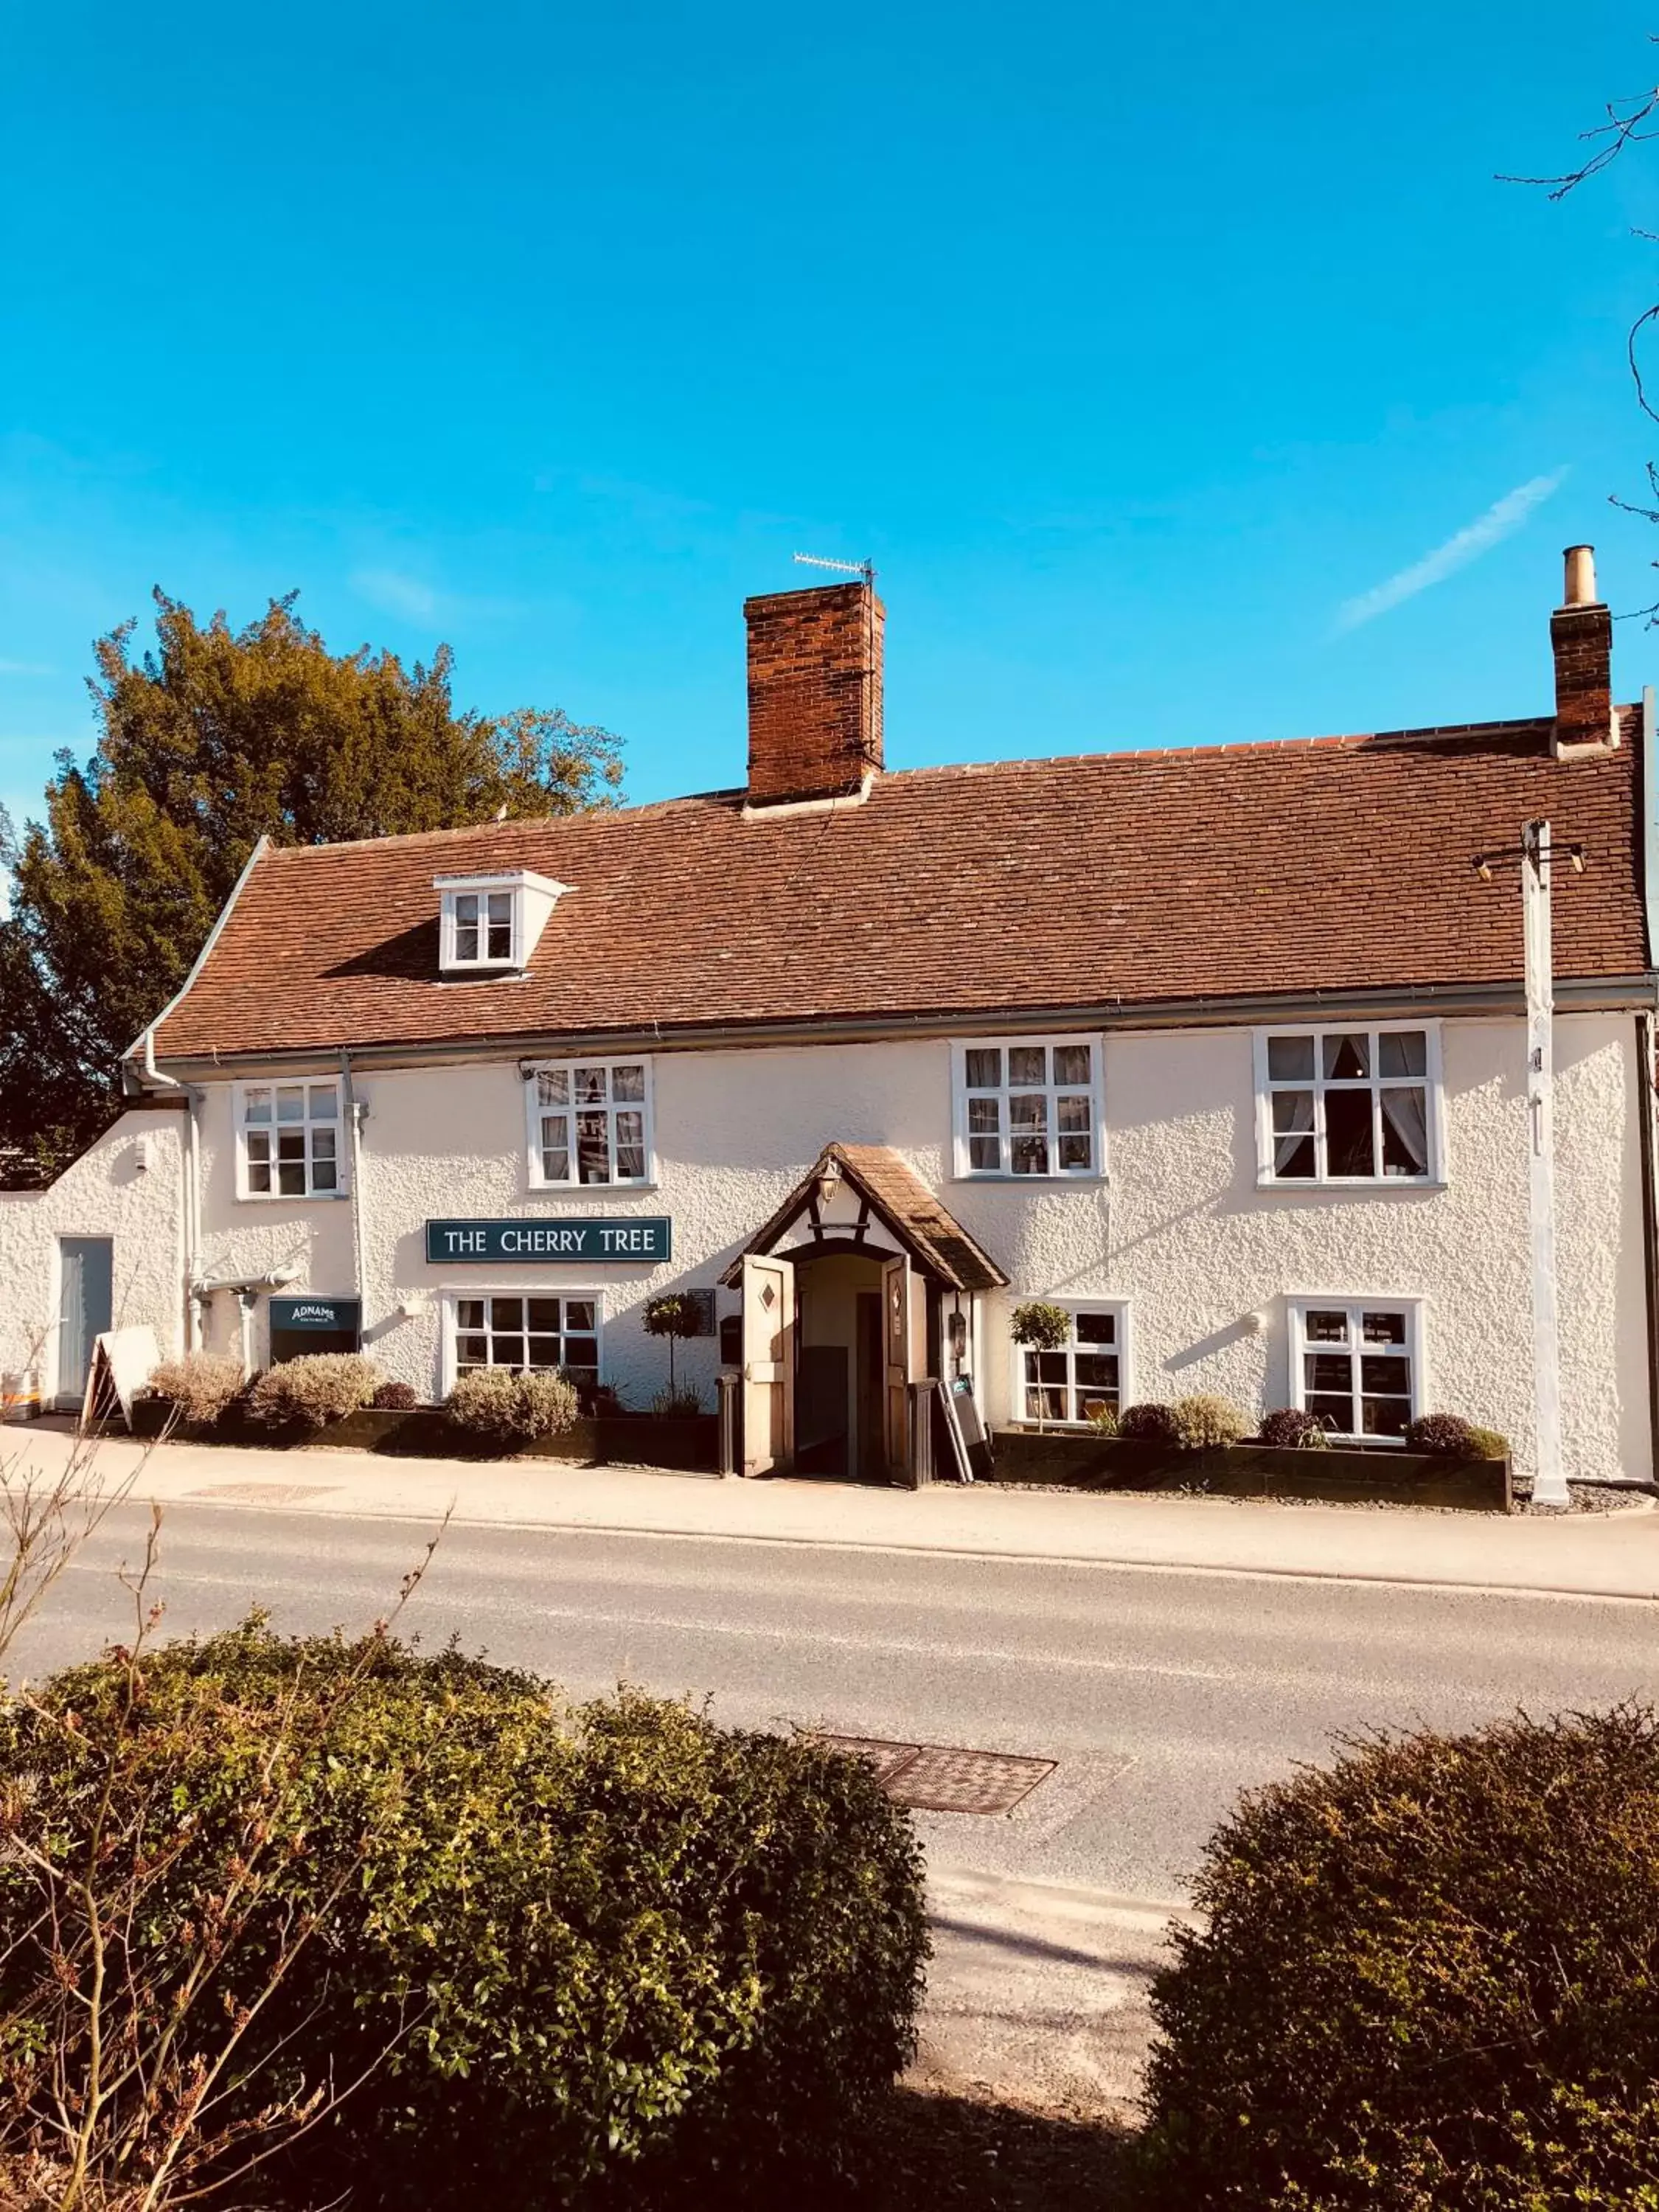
(1407, 1113)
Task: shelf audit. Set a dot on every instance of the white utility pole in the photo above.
(1549, 1484)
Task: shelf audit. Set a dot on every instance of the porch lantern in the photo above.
(828, 1182)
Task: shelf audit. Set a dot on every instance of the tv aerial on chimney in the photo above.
(865, 568)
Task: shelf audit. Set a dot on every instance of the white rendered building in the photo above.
(1223, 1050)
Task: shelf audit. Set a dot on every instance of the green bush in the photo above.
(497, 1406)
(620, 1954)
(1488, 1443)
(1204, 1421)
(201, 1385)
(312, 1391)
(1149, 1423)
(1445, 1436)
(1291, 1429)
(1104, 1420)
(1426, 1985)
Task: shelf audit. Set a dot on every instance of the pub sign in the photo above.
(550, 1241)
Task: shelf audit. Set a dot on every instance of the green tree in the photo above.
(215, 739)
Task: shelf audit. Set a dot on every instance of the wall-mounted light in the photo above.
(829, 1180)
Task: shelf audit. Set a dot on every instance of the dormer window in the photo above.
(490, 924)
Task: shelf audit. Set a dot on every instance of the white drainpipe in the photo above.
(356, 1114)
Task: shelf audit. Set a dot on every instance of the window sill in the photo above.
(290, 1197)
(1037, 1182)
(591, 1192)
(1295, 1185)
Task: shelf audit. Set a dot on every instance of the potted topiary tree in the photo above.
(1040, 1327)
(674, 1316)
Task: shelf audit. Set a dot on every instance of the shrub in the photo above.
(1204, 1421)
(1104, 1420)
(202, 1385)
(1448, 1435)
(1426, 1982)
(311, 1391)
(1148, 1425)
(498, 1406)
(608, 1937)
(676, 1404)
(1487, 1443)
(394, 1397)
(1291, 1426)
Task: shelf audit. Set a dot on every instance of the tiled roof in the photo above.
(1323, 864)
(903, 1202)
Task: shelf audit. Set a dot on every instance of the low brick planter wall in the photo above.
(1252, 1470)
(692, 1443)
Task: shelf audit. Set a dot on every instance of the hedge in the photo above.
(1429, 1982)
(638, 1959)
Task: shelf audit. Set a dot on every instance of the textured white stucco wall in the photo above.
(103, 1194)
(1182, 1231)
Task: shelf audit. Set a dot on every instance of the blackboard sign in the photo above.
(969, 1443)
(549, 1241)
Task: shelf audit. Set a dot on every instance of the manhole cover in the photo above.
(935, 1778)
(885, 1757)
(265, 1493)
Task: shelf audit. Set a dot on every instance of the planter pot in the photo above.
(150, 1416)
(1252, 1470)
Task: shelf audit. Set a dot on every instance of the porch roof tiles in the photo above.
(1129, 878)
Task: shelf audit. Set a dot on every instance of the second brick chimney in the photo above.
(814, 693)
(1581, 638)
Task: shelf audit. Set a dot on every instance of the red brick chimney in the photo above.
(814, 693)
(1581, 638)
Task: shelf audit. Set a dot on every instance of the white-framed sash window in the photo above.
(290, 1140)
(1028, 1106)
(1089, 1372)
(590, 1124)
(531, 1330)
(1357, 1365)
(1354, 1104)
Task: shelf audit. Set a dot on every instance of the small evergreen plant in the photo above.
(676, 1316)
(1040, 1326)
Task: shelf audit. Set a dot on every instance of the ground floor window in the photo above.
(1357, 1365)
(1086, 1375)
(532, 1329)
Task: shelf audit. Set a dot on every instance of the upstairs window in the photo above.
(1348, 1105)
(590, 1123)
(491, 924)
(1356, 1365)
(1029, 1107)
(484, 929)
(288, 1140)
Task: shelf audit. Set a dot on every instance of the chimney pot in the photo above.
(815, 711)
(1581, 640)
(1580, 576)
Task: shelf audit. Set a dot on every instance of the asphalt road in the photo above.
(1160, 1695)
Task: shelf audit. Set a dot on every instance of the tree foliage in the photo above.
(216, 738)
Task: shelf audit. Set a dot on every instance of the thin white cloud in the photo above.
(394, 594)
(24, 668)
(1501, 520)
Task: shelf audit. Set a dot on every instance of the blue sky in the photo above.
(1140, 348)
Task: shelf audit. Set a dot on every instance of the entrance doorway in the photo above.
(840, 1386)
(86, 1292)
(844, 1423)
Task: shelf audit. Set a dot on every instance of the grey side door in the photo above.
(85, 1307)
